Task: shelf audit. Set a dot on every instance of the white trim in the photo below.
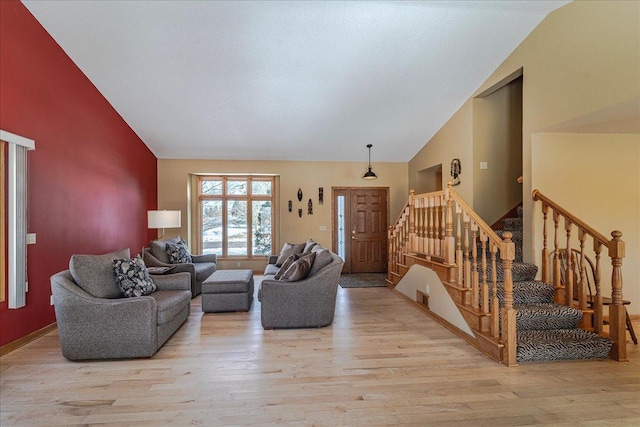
(17, 216)
(12, 138)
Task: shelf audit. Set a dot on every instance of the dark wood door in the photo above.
(360, 228)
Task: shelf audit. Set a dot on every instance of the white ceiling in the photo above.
(288, 80)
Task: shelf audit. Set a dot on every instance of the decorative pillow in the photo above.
(288, 249)
(323, 258)
(299, 269)
(286, 264)
(308, 246)
(94, 273)
(158, 248)
(178, 252)
(133, 277)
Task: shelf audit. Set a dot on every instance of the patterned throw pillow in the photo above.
(178, 252)
(133, 277)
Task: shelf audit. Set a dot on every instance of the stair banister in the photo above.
(616, 248)
(441, 229)
(507, 254)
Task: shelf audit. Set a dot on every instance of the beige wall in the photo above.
(173, 177)
(452, 141)
(579, 162)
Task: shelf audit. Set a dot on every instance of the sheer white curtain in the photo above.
(17, 216)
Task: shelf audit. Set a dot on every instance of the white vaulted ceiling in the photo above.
(288, 80)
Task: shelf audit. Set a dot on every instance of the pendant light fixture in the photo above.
(369, 173)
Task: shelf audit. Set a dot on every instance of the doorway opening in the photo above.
(429, 180)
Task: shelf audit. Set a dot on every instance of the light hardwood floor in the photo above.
(382, 362)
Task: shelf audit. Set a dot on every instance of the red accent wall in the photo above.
(90, 180)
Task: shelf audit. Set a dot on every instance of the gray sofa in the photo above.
(306, 303)
(200, 269)
(106, 326)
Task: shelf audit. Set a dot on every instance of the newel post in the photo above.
(448, 251)
(617, 319)
(412, 247)
(508, 254)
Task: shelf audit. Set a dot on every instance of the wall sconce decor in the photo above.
(310, 207)
(369, 173)
(321, 195)
(290, 205)
(300, 213)
(456, 170)
(299, 194)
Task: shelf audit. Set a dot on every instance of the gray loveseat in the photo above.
(305, 303)
(200, 268)
(94, 322)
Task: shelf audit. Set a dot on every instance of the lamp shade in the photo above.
(164, 219)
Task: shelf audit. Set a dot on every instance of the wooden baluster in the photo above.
(484, 288)
(557, 277)
(508, 254)
(418, 214)
(443, 220)
(582, 285)
(389, 252)
(568, 274)
(436, 227)
(617, 312)
(405, 233)
(495, 302)
(467, 256)
(412, 221)
(597, 298)
(475, 291)
(545, 251)
(431, 207)
(459, 257)
(449, 250)
(423, 226)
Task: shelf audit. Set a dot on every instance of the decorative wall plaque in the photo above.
(300, 213)
(321, 195)
(299, 194)
(290, 205)
(310, 207)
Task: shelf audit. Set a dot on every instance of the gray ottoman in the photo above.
(228, 290)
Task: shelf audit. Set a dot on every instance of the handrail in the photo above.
(538, 196)
(476, 218)
(565, 288)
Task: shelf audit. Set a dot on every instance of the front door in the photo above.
(360, 228)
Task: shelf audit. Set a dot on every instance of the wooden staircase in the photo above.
(475, 264)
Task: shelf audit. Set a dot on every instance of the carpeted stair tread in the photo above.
(527, 292)
(510, 224)
(521, 271)
(560, 344)
(546, 317)
(545, 330)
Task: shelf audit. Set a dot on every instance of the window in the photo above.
(235, 215)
